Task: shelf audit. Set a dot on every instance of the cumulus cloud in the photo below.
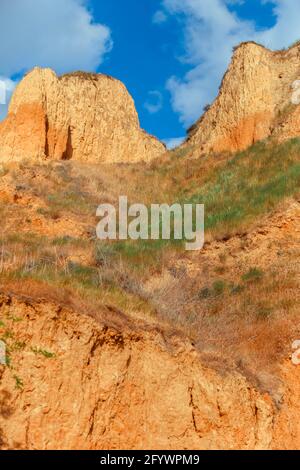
(60, 34)
(155, 102)
(286, 30)
(53, 33)
(211, 30)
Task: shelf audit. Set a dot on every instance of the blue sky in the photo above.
(171, 54)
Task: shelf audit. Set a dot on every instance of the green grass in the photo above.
(219, 287)
(72, 200)
(217, 290)
(18, 382)
(67, 240)
(74, 275)
(253, 275)
(250, 184)
(236, 193)
(182, 152)
(30, 240)
(43, 352)
(90, 284)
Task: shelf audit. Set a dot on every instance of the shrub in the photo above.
(219, 288)
(19, 383)
(254, 274)
(216, 290)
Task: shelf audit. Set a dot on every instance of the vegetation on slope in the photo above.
(48, 244)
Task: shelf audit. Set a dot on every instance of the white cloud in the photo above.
(286, 30)
(53, 33)
(155, 102)
(7, 87)
(210, 32)
(59, 34)
(173, 142)
(159, 17)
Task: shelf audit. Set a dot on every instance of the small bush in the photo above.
(219, 288)
(19, 383)
(253, 275)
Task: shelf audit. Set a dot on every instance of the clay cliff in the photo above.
(85, 117)
(146, 346)
(91, 366)
(88, 385)
(92, 117)
(254, 101)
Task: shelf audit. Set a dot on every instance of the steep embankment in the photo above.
(76, 383)
(82, 370)
(112, 382)
(254, 101)
(86, 117)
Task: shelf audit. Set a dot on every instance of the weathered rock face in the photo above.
(77, 384)
(85, 117)
(254, 101)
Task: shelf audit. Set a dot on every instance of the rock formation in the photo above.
(83, 374)
(254, 101)
(83, 385)
(85, 117)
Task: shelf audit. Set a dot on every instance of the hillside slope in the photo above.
(139, 344)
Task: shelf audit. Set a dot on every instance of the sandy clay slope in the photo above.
(115, 387)
(102, 380)
(112, 349)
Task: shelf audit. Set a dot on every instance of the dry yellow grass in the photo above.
(238, 300)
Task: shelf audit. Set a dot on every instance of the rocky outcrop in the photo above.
(85, 117)
(254, 102)
(74, 383)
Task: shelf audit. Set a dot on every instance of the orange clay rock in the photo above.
(85, 117)
(75, 383)
(254, 102)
